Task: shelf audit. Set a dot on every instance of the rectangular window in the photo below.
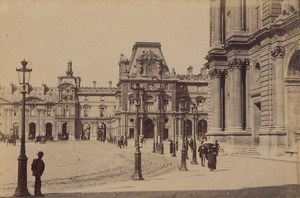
(48, 111)
(149, 106)
(199, 88)
(166, 105)
(150, 86)
(166, 87)
(131, 104)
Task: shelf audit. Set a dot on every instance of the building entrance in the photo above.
(148, 129)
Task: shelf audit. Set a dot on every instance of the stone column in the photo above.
(217, 23)
(236, 94)
(141, 125)
(278, 53)
(215, 101)
(237, 14)
(5, 121)
(247, 113)
(10, 119)
(39, 122)
(43, 128)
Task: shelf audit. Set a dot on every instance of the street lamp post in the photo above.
(21, 190)
(160, 144)
(174, 134)
(184, 144)
(138, 156)
(194, 158)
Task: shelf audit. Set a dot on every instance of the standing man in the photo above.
(38, 167)
(202, 153)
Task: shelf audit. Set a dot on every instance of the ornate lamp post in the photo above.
(174, 134)
(194, 158)
(184, 144)
(21, 190)
(138, 156)
(160, 144)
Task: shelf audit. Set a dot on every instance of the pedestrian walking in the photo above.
(212, 157)
(191, 143)
(38, 167)
(202, 153)
(176, 145)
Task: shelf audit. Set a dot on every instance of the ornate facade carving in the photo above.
(238, 63)
(278, 51)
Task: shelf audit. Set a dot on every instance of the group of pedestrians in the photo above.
(209, 152)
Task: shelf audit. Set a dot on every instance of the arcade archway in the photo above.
(148, 128)
(85, 134)
(48, 129)
(202, 128)
(65, 131)
(32, 131)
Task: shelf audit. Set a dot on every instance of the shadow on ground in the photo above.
(288, 191)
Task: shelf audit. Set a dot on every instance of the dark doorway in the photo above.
(85, 134)
(189, 128)
(148, 129)
(32, 131)
(48, 130)
(131, 133)
(166, 134)
(101, 134)
(202, 128)
(65, 131)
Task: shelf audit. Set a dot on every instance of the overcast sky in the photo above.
(93, 34)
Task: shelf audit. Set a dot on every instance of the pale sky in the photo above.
(93, 34)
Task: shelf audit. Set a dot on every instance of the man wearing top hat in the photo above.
(38, 167)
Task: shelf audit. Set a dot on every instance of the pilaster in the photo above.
(278, 54)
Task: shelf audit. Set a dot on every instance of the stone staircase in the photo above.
(252, 151)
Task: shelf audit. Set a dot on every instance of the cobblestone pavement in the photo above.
(87, 169)
(78, 165)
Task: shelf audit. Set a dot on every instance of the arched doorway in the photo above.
(85, 134)
(189, 128)
(65, 131)
(101, 133)
(32, 131)
(48, 129)
(202, 128)
(148, 128)
(16, 130)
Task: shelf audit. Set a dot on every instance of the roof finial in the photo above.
(69, 71)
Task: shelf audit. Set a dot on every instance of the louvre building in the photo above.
(72, 112)
(254, 64)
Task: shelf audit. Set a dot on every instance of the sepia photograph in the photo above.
(150, 98)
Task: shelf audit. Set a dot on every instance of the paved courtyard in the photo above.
(91, 168)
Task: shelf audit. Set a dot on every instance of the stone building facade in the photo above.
(70, 111)
(254, 67)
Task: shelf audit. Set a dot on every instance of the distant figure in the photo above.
(191, 143)
(202, 153)
(38, 167)
(176, 145)
(171, 146)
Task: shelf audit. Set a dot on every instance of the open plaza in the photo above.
(79, 167)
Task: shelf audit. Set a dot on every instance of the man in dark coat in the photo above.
(212, 157)
(202, 153)
(38, 167)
